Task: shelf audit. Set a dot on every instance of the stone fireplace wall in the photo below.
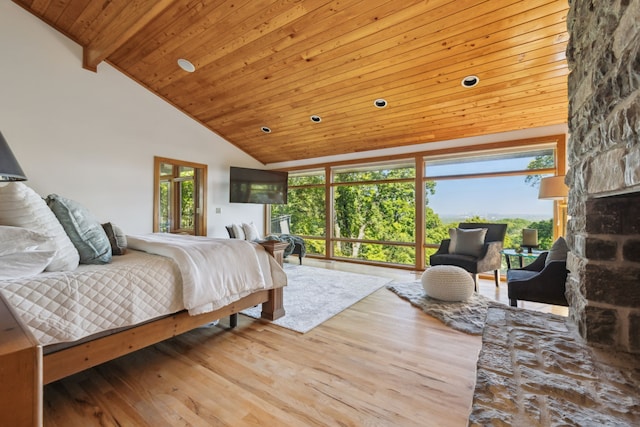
(603, 287)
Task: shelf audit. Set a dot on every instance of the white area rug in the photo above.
(466, 316)
(314, 295)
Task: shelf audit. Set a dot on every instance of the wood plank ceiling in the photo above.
(276, 63)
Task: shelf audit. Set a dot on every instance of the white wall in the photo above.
(92, 137)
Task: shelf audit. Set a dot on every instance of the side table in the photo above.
(508, 253)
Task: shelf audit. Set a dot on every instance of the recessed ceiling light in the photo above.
(186, 65)
(380, 103)
(470, 81)
(265, 129)
(316, 119)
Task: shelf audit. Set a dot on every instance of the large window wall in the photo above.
(374, 212)
(371, 211)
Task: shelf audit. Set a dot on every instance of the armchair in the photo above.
(296, 244)
(540, 281)
(489, 258)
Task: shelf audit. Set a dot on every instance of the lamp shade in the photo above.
(10, 170)
(553, 188)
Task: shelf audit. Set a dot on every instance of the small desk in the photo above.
(508, 253)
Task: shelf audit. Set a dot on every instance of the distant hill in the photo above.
(493, 217)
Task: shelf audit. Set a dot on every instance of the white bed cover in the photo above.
(215, 272)
(136, 287)
(67, 306)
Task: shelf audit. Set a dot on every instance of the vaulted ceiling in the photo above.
(274, 64)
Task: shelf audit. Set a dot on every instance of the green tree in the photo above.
(306, 207)
(383, 211)
(544, 161)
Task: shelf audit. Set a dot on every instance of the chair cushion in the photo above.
(513, 275)
(467, 241)
(447, 283)
(467, 262)
(558, 251)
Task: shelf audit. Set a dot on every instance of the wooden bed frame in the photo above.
(24, 370)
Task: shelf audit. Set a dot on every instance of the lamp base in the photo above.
(529, 248)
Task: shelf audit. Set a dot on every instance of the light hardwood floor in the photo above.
(381, 362)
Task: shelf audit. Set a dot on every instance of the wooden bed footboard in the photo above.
(83, 356)
(24, 371)
(20, 371)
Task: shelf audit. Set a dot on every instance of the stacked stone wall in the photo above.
(604, 160)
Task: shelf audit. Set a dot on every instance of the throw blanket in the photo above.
(215, 272)
(291, 240)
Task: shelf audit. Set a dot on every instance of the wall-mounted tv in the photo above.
(257, 186)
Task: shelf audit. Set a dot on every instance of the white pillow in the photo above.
(24, 264)
(238, 231)
(250, 231)
(18, 239)
(467, 241)
(20, 206)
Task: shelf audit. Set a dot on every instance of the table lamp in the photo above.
(529, 238)
(554, 188)
(10, 169)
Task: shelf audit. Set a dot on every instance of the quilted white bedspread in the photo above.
(66, 306)
(215, 272)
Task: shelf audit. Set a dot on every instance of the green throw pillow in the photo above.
(83, 229)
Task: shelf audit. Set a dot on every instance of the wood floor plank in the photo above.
(381, 362)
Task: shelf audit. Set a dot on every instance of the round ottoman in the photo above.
(447, 283)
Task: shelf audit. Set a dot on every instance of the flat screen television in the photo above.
(257, 186)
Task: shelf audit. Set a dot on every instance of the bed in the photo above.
(55, 324)
(135, 301)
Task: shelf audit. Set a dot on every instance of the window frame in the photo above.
(175, 180)
(557, 142)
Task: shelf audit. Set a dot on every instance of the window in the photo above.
(179, 197)
(398, 210)
(304, 214)
(499, 187)
(374, 212)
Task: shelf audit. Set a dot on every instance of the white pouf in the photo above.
(447, 283)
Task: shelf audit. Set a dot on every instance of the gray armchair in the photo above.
(540, 281)
(490, 258)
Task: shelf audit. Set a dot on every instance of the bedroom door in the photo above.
(179, 197)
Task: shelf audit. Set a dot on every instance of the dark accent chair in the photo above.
(539, 282)
(298, 249)
(490, 258)
(296, 244)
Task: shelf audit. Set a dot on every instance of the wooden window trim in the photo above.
(558, 141)
(200, 187)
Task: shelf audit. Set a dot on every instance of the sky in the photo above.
(505, 197)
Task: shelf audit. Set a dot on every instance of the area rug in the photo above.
(314, 295)
(466, 316)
